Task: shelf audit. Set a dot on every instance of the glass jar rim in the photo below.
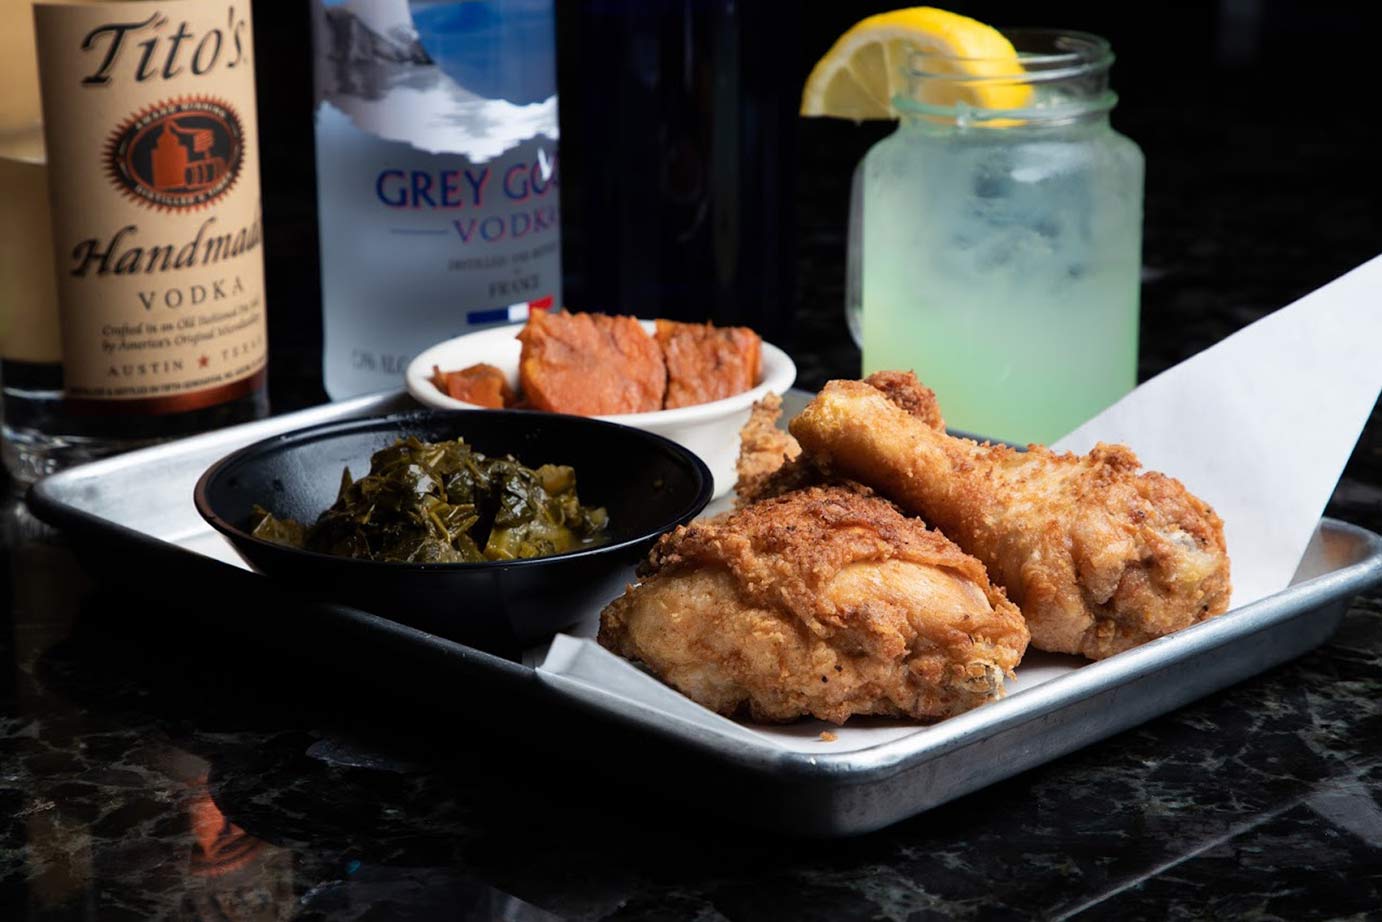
(1071, 53)
(1073, 66)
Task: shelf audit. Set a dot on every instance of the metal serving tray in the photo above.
(131, 518)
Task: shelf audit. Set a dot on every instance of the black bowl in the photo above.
(648, 484)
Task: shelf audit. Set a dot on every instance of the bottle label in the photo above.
(437, 176)
(153, 169)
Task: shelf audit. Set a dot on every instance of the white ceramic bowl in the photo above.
(711, 430)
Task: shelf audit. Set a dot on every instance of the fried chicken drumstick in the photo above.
(1098, 557)
(822, 602)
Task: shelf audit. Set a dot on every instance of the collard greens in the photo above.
(444, 502)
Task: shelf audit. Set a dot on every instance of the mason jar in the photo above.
(997, 247)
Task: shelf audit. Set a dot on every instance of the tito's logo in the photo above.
(178, 154)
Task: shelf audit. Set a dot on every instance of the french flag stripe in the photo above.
(498, 315)
(511, 313)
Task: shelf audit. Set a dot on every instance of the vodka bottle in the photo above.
(150, 145)
(436, 176)
(681, 143)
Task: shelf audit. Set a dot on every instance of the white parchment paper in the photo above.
(1259, 425)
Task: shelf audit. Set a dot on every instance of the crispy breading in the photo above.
(706, 363)
(1099, 557)
(481, 384)
(590, 365)
(770, 459)
(903, 389)
(764, 448)
(797, 474)
(820, 602)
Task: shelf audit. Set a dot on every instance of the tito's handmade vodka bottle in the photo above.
(152, 160)
(436, 176)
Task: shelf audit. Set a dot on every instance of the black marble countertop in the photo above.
(153, 769)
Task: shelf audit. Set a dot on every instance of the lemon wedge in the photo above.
(867, 66)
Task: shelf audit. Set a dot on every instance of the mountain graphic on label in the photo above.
(473, 77)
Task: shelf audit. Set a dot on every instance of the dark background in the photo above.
(1257, 119)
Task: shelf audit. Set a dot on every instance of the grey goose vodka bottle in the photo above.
(437, 176)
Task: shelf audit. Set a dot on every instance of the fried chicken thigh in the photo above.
(821, 602)
(1099, 557)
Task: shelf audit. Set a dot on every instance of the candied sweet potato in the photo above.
(482, 385)
(706, 363)
(590, 365)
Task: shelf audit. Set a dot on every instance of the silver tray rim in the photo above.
(50, 499)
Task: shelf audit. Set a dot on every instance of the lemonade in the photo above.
(1002, 265)
(995, 237)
